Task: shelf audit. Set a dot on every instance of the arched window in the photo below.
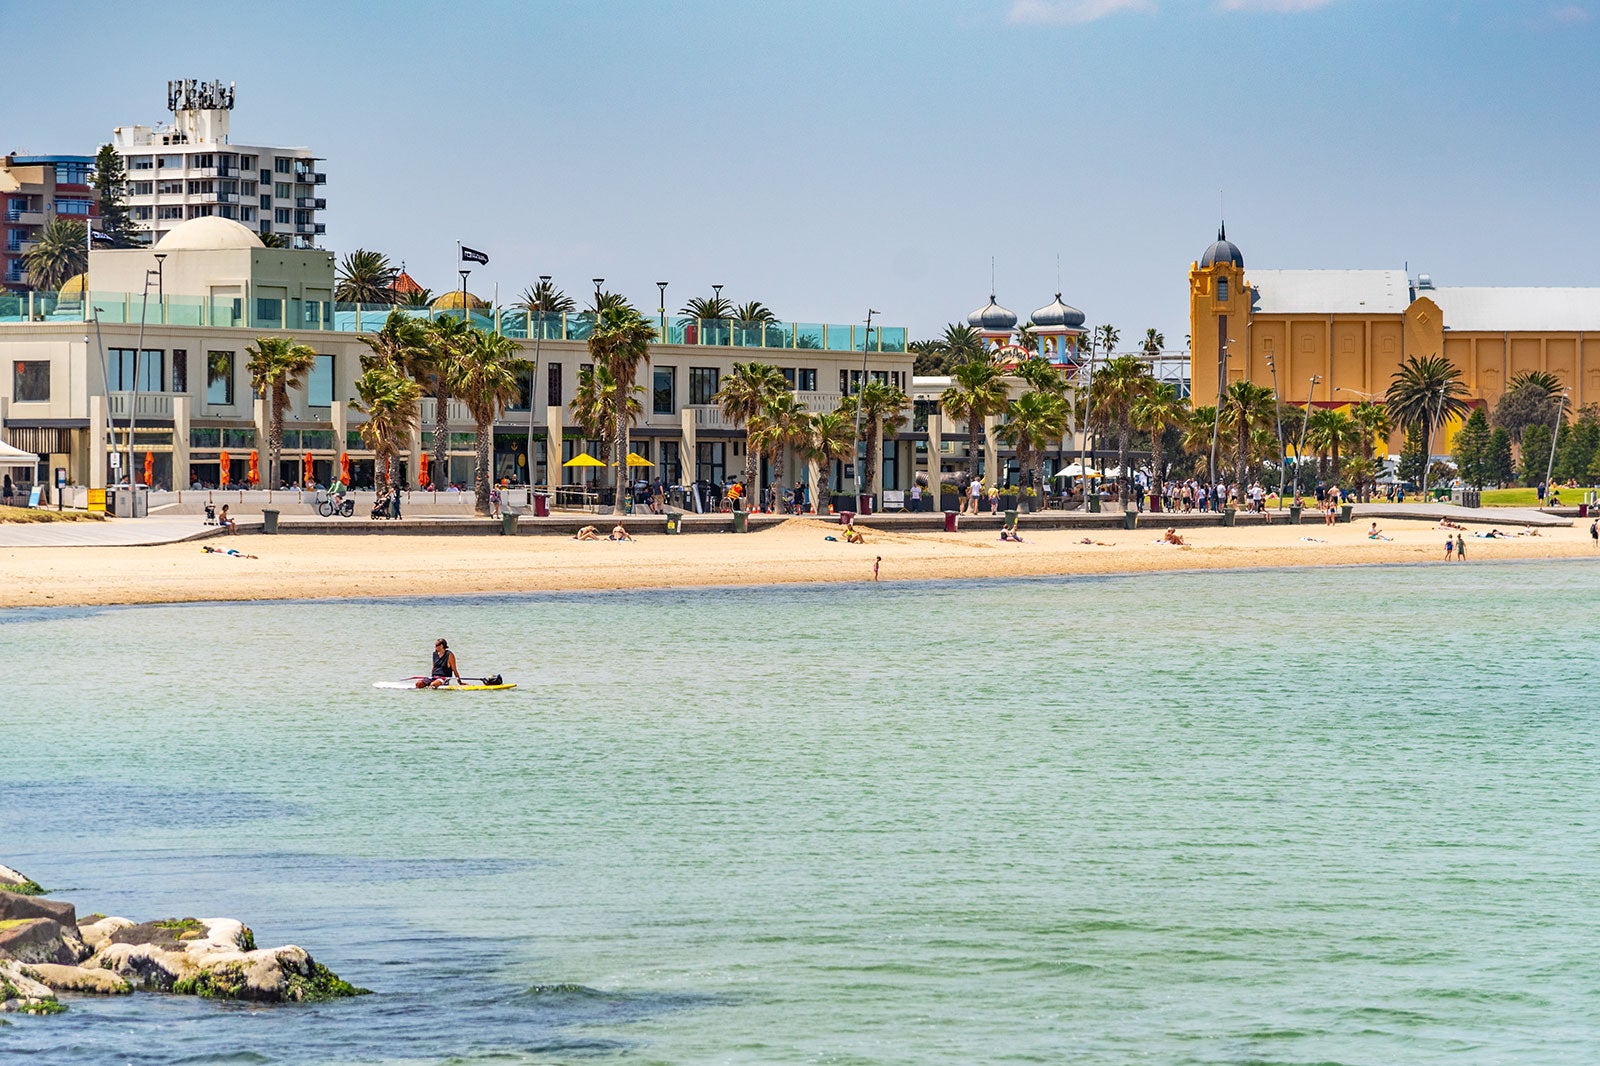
(1222, 290)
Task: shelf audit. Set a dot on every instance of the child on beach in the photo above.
(1449, 547)
(875, 564)
(1461, 548)
(1374, 533)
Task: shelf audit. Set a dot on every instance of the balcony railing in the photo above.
(819, 401)
(454, 410)
(144, 405)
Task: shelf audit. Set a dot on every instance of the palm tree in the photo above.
(1246, 407)
(277, 365)
(714, 307)
(1426, 391)
(977, 390)
(753, 313)
(1112, 394)
(390, 400)
(399, 343)
(1544, 380)
(620, 342)
(1373, 423)
(783, 422)
(486, 375)
(829, 436)
(594, 407)
(1041, 375)
(962, 344)
(545, 298)
(882, 411)
(365, 277)
(1107, 337)
(273, 240)
(448, 337)
(1035, 421)
(1159, 407)
(1197, 431)
(1154, 342)
(59, 254)
(744, 394)
(418, 297)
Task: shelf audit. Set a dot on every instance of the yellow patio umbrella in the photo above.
(583, 459)
(637, 460)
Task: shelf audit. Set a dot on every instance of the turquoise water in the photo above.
(1344, 816)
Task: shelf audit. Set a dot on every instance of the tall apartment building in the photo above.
(33, 189)
(191, 169)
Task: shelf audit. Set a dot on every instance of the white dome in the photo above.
(208, 234)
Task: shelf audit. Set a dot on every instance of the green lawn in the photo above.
(1516, 497)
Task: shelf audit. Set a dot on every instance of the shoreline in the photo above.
(390, 566)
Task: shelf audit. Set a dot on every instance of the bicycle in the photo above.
(342, 506)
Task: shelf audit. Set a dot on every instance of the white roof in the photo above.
(1517, 310)
(207, 234)
(1330, 292)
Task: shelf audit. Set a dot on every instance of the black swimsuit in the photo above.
(441, 663)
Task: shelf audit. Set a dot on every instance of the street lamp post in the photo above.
(1369, 397)
(1549, 467)
(1277, 418)
(138, 351)
(533, 387)
(1300, 449)
(662, 307)
(1427, 448)
(866, 344)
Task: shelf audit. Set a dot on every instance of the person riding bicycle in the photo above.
(337, 490)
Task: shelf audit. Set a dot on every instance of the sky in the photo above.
(834, 155)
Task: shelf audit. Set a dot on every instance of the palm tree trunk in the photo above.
(441, 432)
(1336, 461)
(1124, 438)
(1242, 459)
(972, 444)
(814, 477)
(752, 465)
(619, 478)
(1156, 460)
(275, 433)
(481, 478)
(874, 456)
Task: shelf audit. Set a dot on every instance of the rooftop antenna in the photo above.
(991, 277)
(1058, 272)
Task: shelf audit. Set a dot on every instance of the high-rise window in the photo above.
(664, 393)
(282, 166)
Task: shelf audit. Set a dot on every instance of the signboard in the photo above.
(61, 477)
(33, 497)
(116, 460)
(97, 501)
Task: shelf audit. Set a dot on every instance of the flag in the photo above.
(472, 255)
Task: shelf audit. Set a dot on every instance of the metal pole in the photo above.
(866, 344)
(133, 398)
(464, 316)
(1277, 418)
(1216, 423)
(1088, 425)
(533, 392)
(1300, 449)
(1550, 466)
(1427, 443)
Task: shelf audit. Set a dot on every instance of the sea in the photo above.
(1307, 816)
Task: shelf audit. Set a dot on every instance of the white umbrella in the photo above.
(10, 456)
(1078, 470)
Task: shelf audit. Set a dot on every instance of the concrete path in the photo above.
(112, 532)
(1507, 517)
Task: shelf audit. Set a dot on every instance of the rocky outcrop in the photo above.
(41, 940)
(81, 979)
(12, 881)
(44, 947)
(22, 993)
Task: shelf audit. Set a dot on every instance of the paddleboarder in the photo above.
(444, 666)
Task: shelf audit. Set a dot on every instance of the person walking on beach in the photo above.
(444, 666)
(1449, 547)
(1594, 533)
(875, 564)
(975, 493)
(1461, 548)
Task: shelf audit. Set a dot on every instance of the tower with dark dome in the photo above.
(1219, 309)
(1058, 326)
(993, 322)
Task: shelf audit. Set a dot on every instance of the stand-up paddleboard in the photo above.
(471, 684)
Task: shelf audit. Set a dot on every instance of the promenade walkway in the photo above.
(1509, 517)
(110, 533)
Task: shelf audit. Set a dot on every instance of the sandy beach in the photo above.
(300, 567)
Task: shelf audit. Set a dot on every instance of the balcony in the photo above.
(819, 401)
(710, 416)
(144, 405)
(313, 202)
(455, 411)
(26, 217)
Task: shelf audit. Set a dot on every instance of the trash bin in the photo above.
(269, 520)
(508, 524)
(541, 505)
(1130, 519)
(1094, 503)
(864, 503)
(1344, 511)
(950, 521)
(1011, 517)
(674, 522)
(741, 521)
(846, 517)
(1294, 512)
(1228, 515)
(1583, 510)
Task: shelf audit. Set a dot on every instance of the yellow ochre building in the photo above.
(1352, 329)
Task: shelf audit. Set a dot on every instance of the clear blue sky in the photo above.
(830, 155)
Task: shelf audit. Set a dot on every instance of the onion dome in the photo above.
(993, 318)
(451, 301)
(1057, 315)
(74, 287)
(1222, 250)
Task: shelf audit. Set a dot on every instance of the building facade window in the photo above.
(664, 392)
(280, 189)
(140, 188)
(282, 166)
(553, 385)
(73, 173)
(789, 378)
(30, 381)
(806, 379)
(120, 370)
(702, 384)
(1222, 290)
(281, 216)
(169, 212)
(169, 162)
(711, 462)
(72, 206)
(141, 162)
(219, 378)
(169, 188)
(180, 370)
(319, 383)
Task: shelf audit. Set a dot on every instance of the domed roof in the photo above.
(993, 318)
(74, 287)
(1057, 315)
(209, 234)
(451, 301)
(1222, 250)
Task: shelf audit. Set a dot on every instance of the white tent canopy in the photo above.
(10, 456)
(1077, 470)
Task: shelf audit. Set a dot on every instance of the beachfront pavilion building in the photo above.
(1351, 329)
(73, 383)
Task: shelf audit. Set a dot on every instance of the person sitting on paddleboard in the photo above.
(444, 666)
